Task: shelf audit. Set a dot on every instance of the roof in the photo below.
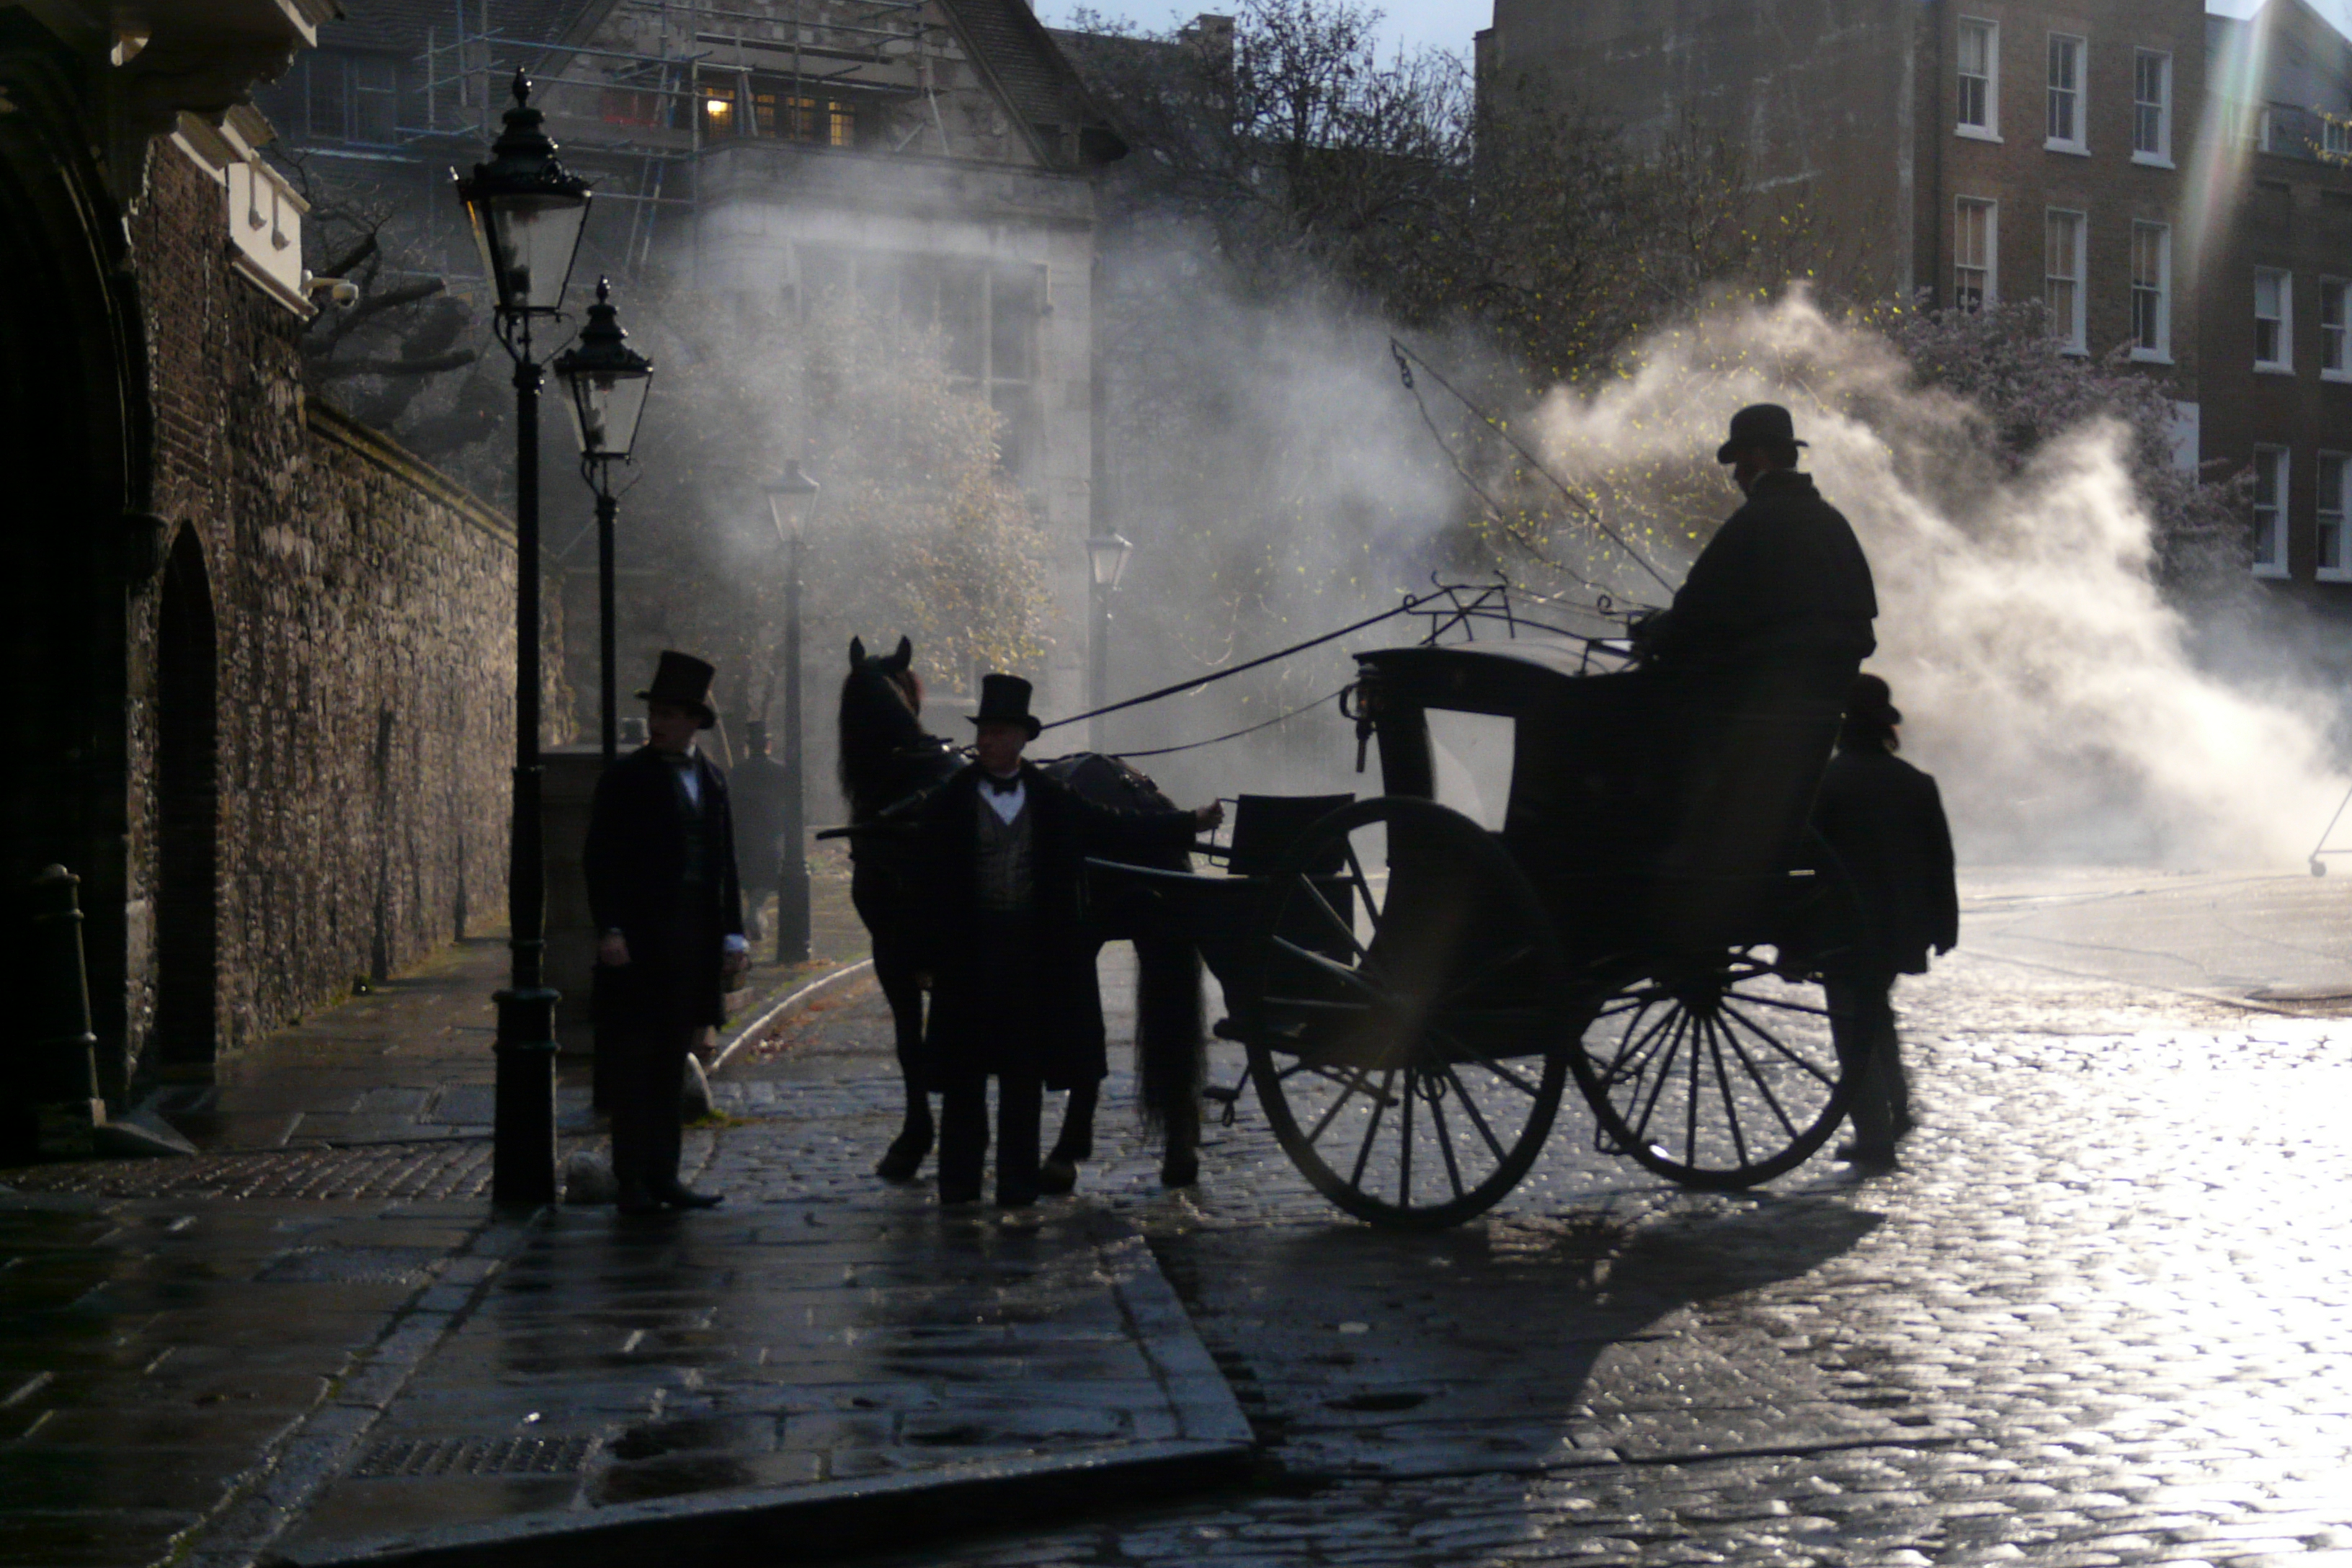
(403, 25)
(1507, 678)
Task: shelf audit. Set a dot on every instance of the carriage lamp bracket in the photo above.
(1353, 705)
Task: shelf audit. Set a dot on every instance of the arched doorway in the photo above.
(188, 792)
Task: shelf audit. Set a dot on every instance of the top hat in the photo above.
(1871, 702)
(684, 681)
(1005, 699)
(1759, 425)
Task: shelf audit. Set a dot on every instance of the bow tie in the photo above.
(1002, 787)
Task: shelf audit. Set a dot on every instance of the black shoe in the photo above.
(633, 1199)
(1056, 1174)
(678, 1196)
(905, 1156)
(958, 1197)
(1179, 1170)
(1863, 1159)
(1015, 1197)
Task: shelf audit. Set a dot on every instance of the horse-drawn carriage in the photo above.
(1646, 912)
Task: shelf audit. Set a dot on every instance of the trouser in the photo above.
(963, 1135)
(1009, 1050)
(1861, 1022)
(648, 1086)
(655, 1025)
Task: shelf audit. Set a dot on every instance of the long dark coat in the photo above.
(1783, 577)
(1066, 829)
(636, 868)
(1885, 820)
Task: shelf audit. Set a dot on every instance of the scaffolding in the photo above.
(657, 84)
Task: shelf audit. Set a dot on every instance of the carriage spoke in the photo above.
(1756, 1076)
(1774, 1041)
(1323, 907)
(1363, 887)
(1404, 1145)
(1640, 1128)
(1723, 1080)
(1629, 1062)
(1755, 1000)
(1470, 1108)
(1690, 1108)
(1337, 971)
(1444, 1138)
(1371, 1132)
(1351, 1088)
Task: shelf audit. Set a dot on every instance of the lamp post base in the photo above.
(523, 1162)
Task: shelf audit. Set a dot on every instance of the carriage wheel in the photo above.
(1406, 1039)
(1717, 1069)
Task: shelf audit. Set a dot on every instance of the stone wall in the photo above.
(362, 607)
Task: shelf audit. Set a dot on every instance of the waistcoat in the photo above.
(1005, 874)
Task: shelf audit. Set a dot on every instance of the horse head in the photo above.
(885, 753)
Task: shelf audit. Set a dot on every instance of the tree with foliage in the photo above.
(918, 527)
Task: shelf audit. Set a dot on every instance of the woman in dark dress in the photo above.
(1885, 820)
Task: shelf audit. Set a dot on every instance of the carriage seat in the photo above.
(1266, 825)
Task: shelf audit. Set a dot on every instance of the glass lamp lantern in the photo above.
(605, 380)
(527, 212)
(792, 497)
(1106, 555)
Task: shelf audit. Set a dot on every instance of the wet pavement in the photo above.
(2095, 1320)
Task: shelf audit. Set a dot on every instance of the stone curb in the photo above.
(811, 1523)
(799, 996)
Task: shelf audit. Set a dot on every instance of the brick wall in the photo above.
(363, 609)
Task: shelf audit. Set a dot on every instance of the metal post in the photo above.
(1098, 678)
(792, 944)
(607, 507)
(522, 1168)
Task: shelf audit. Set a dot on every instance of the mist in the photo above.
(2070, 713)
(2045, 682)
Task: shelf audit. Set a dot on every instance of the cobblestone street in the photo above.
(2096, 1319)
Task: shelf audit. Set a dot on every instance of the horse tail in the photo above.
(1170, 1040)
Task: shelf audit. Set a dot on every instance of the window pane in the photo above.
(2266, 295)
(328, 101)
(962, 303)
(1013, 324)
(1975, 50)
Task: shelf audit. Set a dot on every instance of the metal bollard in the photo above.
(57, 1077)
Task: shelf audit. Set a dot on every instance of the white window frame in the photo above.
(1990, 263)
(2270, 460)
(2330, 527)
(2336, 337)
(2077, 98)
(2160, 154)
(1989, 131)
(2284, 365)
(2073, 332)
(2335, 138)
(2162, 353)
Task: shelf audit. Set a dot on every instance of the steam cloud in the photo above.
(2045, 682)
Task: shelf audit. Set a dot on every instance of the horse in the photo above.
(886, 759)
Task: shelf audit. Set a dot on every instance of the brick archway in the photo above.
(187, 797)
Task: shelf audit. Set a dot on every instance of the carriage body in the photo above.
(1642, 909)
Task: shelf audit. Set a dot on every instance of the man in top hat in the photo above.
(660, 866)
(1002, 846)
(757, 785)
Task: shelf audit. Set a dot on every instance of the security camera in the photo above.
(341, 290)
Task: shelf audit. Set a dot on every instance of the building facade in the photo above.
(264, 657)
(2277, 286)
(937, 152)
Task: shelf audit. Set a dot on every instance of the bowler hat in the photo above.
(1871, 702)
(1759, 425)
(1005, 699)
(684, 681)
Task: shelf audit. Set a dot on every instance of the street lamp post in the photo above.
(527, 212)
(1105, 559)
(606, 383)
(791, 502)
